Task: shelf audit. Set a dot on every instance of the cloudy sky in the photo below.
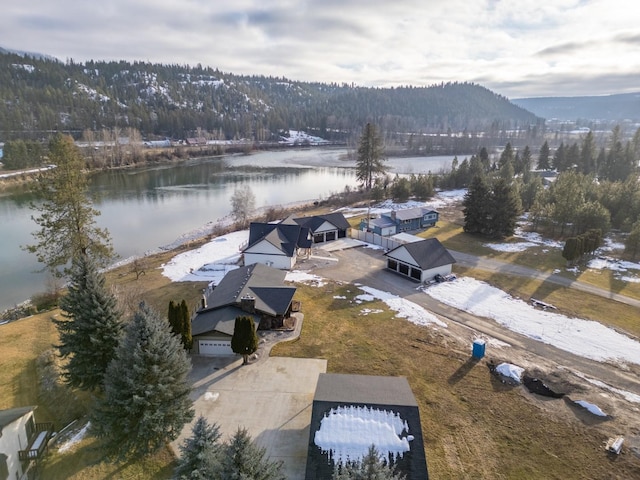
(518, 48)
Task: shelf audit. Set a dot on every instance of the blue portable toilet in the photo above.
(478, 348)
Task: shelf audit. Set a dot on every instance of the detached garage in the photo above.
(420, 261)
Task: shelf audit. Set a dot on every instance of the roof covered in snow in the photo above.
(352, 412)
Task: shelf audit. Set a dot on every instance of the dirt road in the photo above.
(366, 266)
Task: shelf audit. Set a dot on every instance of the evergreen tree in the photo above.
(507, 156)
(571, 250)
(370, 160)
(173, 317)
(242, 459)
(632, 242)
(543, 157)
(66, 215)
(146, 401)
(560, 158)
(92, 327)
(244, 340)
(370, 468)
(505, 208)
(476, 206)
(400, 190)
(588, 154)
(201, 453)
(185, 327)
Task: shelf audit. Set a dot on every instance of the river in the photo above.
(151, 207)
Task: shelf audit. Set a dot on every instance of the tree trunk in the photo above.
(245, 359)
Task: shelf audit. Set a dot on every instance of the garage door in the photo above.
(215, 347)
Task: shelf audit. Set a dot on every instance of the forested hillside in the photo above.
(39, 95)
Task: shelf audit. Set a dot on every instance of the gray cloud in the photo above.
(368, 42)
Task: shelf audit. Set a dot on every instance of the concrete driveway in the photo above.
(271, 398)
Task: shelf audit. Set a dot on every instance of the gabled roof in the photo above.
(411, 213)
(429, 253)
(382, 222)
(265, 284)
(9, 416)
(221, 320)
(286, 237)
(313, 223)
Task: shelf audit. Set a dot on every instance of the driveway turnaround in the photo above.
(271, 398)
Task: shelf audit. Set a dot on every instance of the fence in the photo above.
(370, 237)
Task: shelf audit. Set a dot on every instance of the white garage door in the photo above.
(215, 347)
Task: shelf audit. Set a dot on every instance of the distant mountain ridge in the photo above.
(624, 106)
(42, 94)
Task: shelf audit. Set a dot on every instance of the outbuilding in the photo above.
(420, 261)
(352, 412)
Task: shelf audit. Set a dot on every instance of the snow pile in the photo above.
(210, 262)
(628, 396)
(211, 396)
(66, 446)
(403, 308)
(304, 277)
(348, 432)
(367, 311)
(581, 337)
(591, 407)
(617, 266)
(510, 370)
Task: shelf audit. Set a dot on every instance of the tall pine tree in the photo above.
(146, 401)
(476, 206)
(92, 326)
(370, 161)
(369, 468)
(201, 453)
(185, 330)
(505, 208)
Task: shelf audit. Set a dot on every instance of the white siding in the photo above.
(403, 256)
(276, 261)
(325, 227)
(14, 439)
(264, 247)
(429, 274)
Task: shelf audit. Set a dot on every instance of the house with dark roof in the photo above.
(420, 261)
(352, 412)
(276, 244)
(23, 442)
(254, 290)
(325, 228)
(398, 221)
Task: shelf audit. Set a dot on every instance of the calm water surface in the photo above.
(148, 208)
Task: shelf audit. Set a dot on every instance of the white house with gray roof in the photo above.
(420, 261)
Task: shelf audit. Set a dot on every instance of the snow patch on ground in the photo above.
(586, 338)
(77, 438)
(210, 262)
(305, 277)
(630, 397)
(404, 308)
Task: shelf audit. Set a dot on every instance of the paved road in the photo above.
(489, 264)
(366, 266)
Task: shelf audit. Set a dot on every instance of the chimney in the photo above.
(248, 304)
(393, 215)
(203, 302)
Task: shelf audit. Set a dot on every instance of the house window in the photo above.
(392, 264)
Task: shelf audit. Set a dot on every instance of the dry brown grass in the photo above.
(474, 426)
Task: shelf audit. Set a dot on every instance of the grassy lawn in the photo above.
(473, 425)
